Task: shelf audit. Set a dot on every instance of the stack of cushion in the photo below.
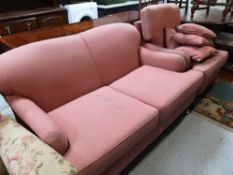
(192, 39)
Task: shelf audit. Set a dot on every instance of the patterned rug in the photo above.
(218, 100)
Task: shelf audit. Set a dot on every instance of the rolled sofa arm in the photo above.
(40, 123)
(169, 61)
(23, 153)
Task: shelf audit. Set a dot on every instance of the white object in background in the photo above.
(80, 11)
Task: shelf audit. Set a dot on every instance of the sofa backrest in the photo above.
(56, 71)
(115, 50)
(49, 72)
(155, 18)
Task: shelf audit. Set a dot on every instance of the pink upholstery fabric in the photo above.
(198, 54)
(162, 49)
(169, 38)
(191, 40)
(150, 84)
(211, 67)
(138, 148)
(169, 61)
(102, 126)
(155, 18)
(190, 28)
(117, 55)
(39, 122)
(138, 25)
(46, 70)
(43, 71)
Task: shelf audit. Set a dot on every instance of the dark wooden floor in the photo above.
(214, 17)
(212, 21)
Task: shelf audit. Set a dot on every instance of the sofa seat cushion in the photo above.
(211, 67)
(161, 88)
(102, 126)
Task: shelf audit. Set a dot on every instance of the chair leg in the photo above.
(194, 7)
(180, 4)
(186, 6)
(227, 9)
(207, 10)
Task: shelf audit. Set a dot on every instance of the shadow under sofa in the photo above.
(94, 97)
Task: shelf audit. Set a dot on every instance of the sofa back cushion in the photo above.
(56, 71)
(50, 73)
(114, 50)
(155, 18)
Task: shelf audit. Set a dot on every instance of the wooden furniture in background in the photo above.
(15, 40)
(25, 15)
(208, 3)
(228, 8)
(109, 9)
(182, 4)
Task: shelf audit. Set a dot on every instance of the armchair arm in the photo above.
(23, 153)
(169, 61)
(39, 122)
(162, 49)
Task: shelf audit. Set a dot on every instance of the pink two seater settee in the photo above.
(97, 97)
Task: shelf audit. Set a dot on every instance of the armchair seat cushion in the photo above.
(163, 89)
(103, 125)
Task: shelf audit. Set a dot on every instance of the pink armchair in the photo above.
(154, 20)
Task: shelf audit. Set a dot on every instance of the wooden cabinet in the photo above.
(39, 14)
(14, 26)
(54, 19)
(16, 40)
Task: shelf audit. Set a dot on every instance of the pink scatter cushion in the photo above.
(192, 40)
(169, 38)
(198, 54)
(195, 29)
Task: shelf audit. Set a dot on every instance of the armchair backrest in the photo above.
(155, 18)
(56, 71)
